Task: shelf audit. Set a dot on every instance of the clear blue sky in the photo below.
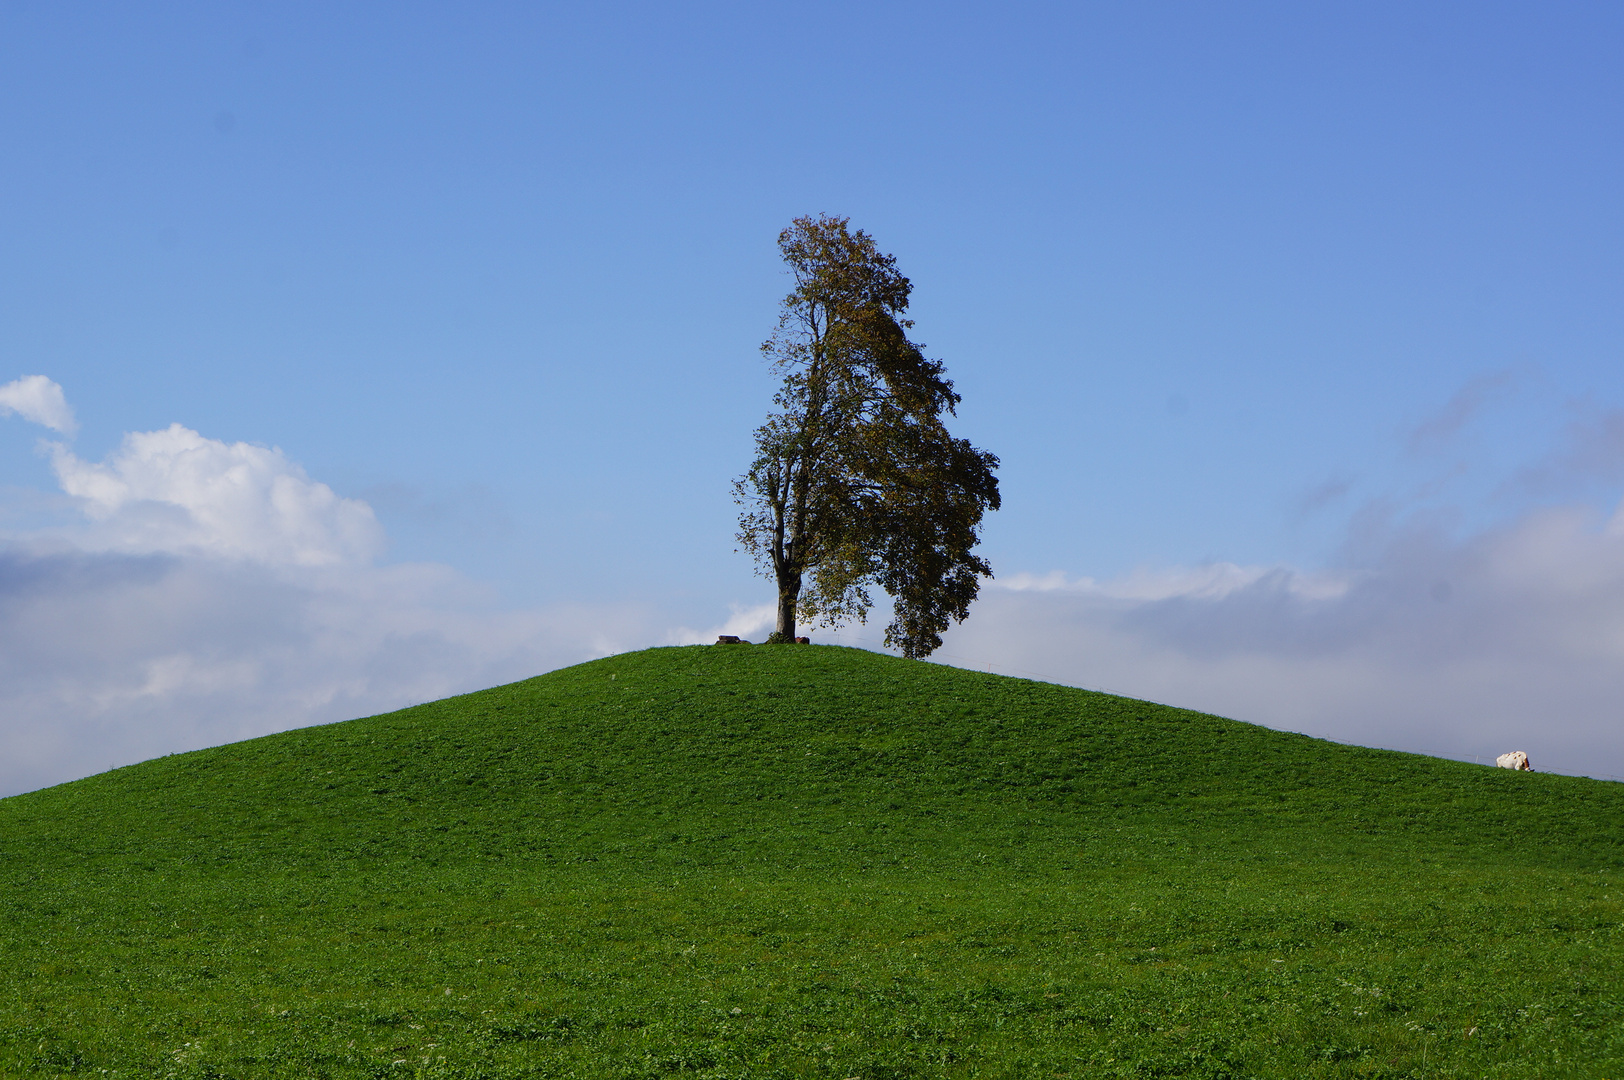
(1248, 283)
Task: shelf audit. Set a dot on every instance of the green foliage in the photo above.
(856, 480)
(813, 862)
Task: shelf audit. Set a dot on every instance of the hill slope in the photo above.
(777, 862)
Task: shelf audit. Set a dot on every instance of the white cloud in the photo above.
(1210, 581)
(1512, 639)
(39, 400)
(175, 491)
(211, 591)
(752, 623)
(208, 592)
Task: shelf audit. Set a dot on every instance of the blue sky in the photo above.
(1329, 294)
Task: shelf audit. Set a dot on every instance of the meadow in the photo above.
(789, 861)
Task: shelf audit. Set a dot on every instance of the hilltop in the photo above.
(792, 861)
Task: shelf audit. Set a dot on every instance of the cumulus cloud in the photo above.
(178, 492)
(39, 400)
(1428, 633)
(1509, 639)
(204, 592)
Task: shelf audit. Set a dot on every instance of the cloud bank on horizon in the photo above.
(198, 591)
(1510, 639)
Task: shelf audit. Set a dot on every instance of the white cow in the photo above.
(1514, 760)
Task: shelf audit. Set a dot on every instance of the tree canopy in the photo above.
(856, 480)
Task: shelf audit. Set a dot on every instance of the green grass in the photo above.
(809, 862)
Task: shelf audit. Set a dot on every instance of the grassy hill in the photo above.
(809, 862)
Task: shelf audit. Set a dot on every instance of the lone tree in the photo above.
(856, 480)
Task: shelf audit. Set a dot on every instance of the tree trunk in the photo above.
(789, 594)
